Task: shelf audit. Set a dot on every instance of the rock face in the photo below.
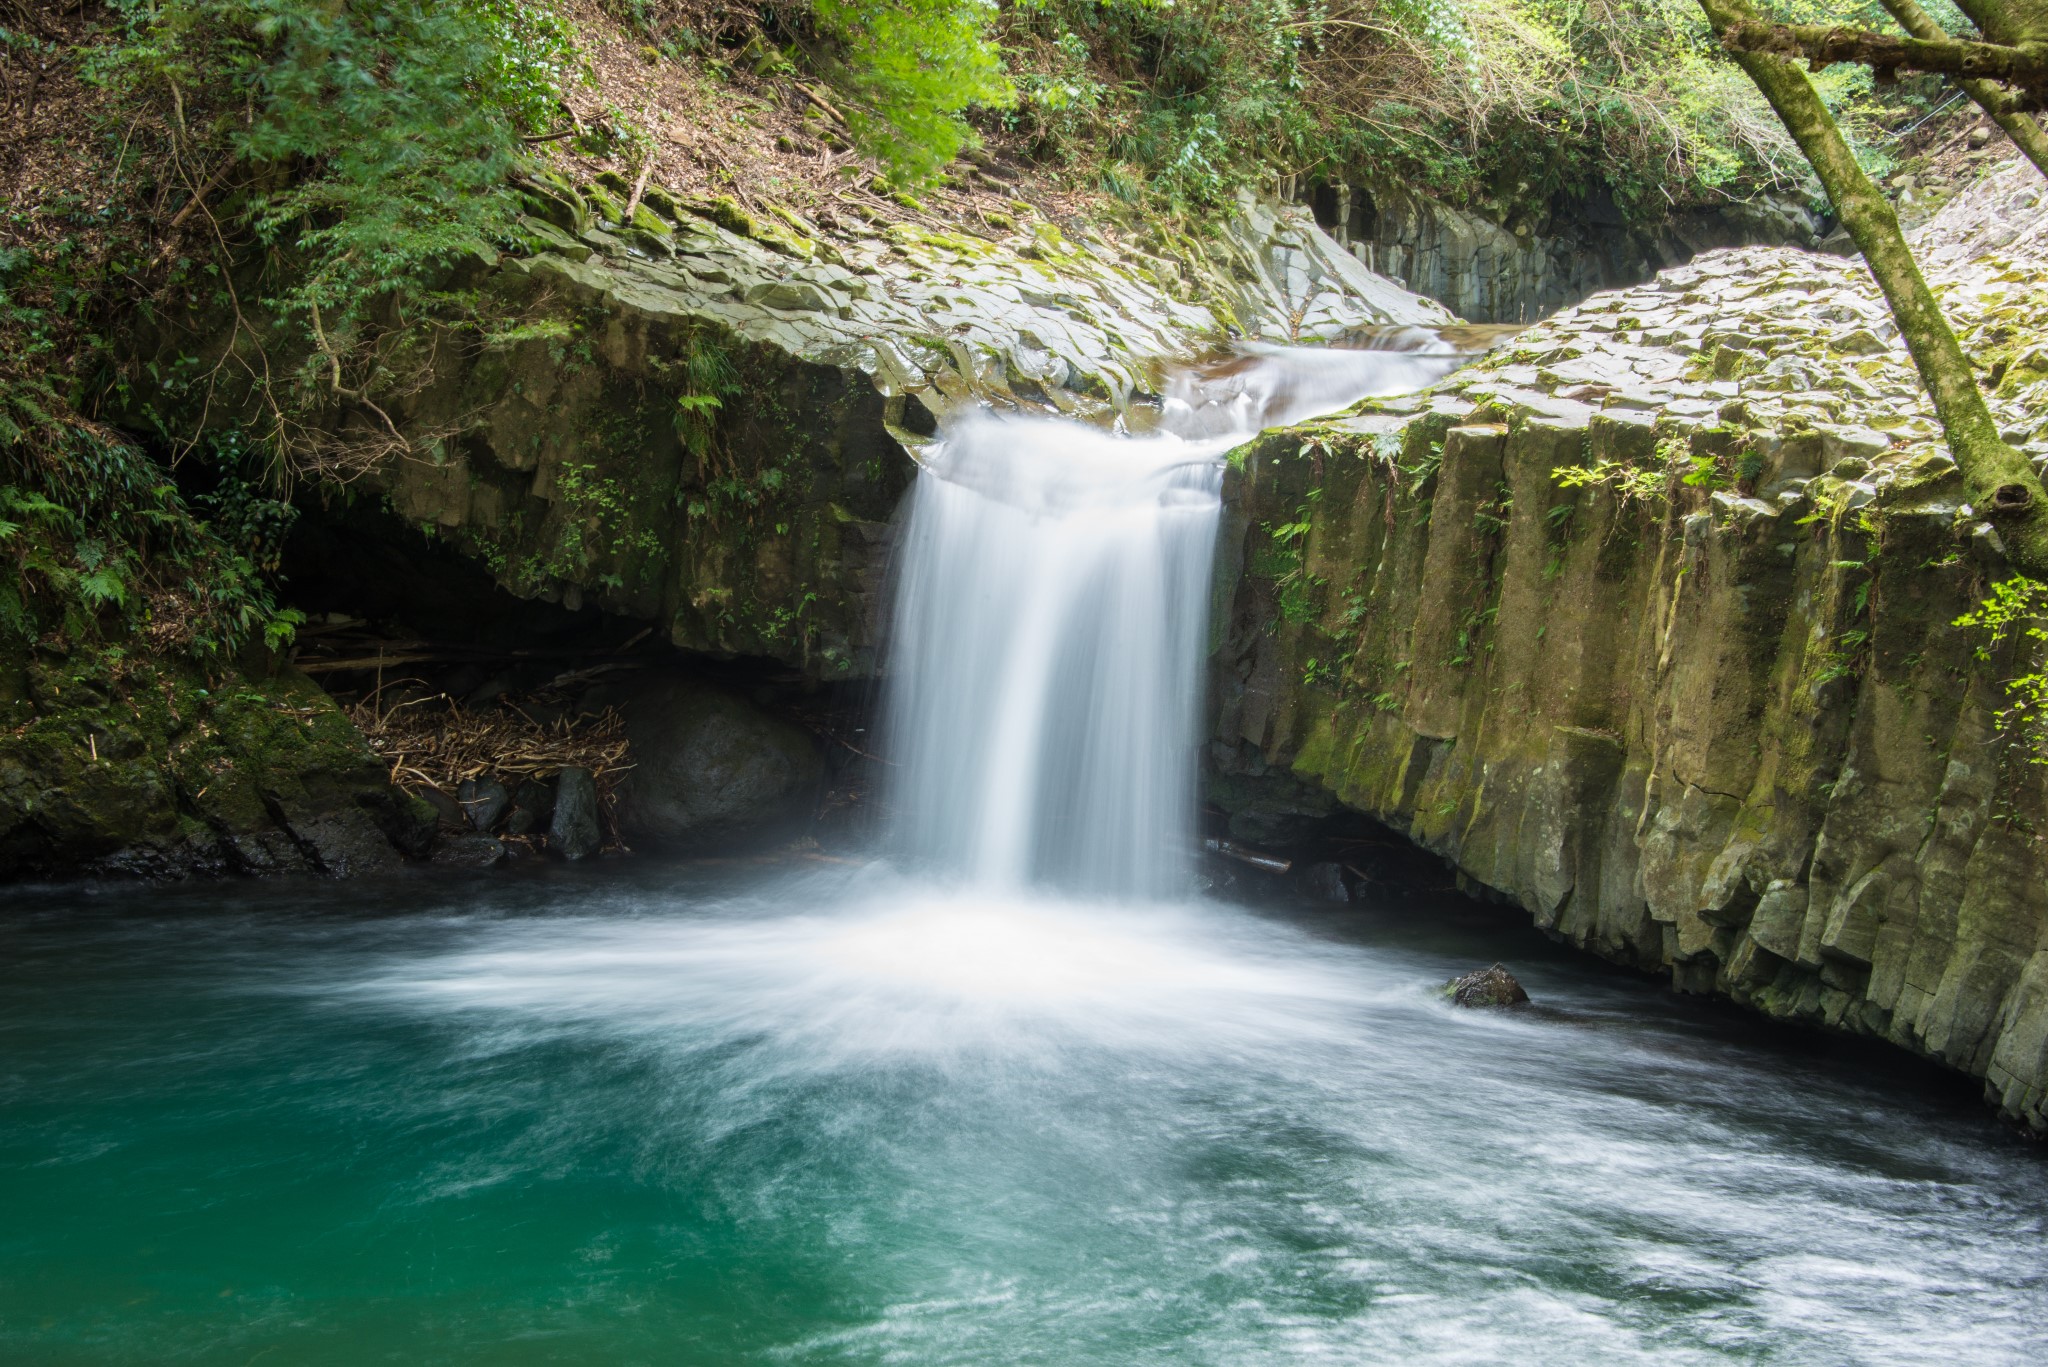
(712, 772)
(1526, 269)
(1697, 702)
(709, 420)
(155, 772)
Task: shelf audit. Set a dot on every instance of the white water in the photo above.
(1051, 609)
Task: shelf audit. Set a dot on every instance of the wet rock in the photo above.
(447, 810)
(532, 807)
(469, 852)
(344, 842)
(1324, 882)
(711, 770)
(1486, 987)
(484, 800)
(574, 833)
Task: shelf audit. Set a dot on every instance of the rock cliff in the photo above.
(1648, 623)
(707, 421)
(1530, 265)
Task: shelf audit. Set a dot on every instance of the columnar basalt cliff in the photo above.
(1520, 267)
(1649, 625)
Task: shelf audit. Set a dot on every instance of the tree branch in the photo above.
(2025, 67)
(2024, 132)
(2000, 481)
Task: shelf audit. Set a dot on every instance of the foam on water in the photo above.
(845, 1117)
(1162, 1133)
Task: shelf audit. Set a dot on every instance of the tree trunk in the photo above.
(1999, 480)
(2024, 132)
(2008, 21)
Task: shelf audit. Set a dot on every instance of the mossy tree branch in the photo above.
(2024, 132)
(1999, 479)
(2008, 21)
(2024, 67)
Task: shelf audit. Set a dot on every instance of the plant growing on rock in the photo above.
(2016, 614)
(365, 147)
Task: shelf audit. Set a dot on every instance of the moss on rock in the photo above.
(155, 769)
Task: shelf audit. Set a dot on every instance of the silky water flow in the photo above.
(1011, 1095)
(1051, 611)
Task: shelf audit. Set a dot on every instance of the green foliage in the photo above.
(908, 70)
(368, 141)
(1508, 105)
(1629, 483)
(2016, 613)
(102, 545)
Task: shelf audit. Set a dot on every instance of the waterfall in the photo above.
(1051, 609)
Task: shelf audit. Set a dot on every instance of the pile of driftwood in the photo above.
(434, 743)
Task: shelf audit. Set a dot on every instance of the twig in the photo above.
(640, 185)
(824, 104)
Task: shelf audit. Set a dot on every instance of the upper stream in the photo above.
(1014, 1095)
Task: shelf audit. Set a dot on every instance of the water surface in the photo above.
(667, 1115)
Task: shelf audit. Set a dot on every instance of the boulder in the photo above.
(711, 771)
(1486, 987)
(532, 806)
(485, 800)
(575, 832)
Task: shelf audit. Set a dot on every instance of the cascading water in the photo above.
(1051, 606)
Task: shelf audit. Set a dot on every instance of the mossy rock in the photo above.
(128, 767)
(726, 212)
(603, 206)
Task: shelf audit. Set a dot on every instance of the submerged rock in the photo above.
(1486, 987)
(575, 832)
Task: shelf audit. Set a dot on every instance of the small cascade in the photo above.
(1051, 610)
